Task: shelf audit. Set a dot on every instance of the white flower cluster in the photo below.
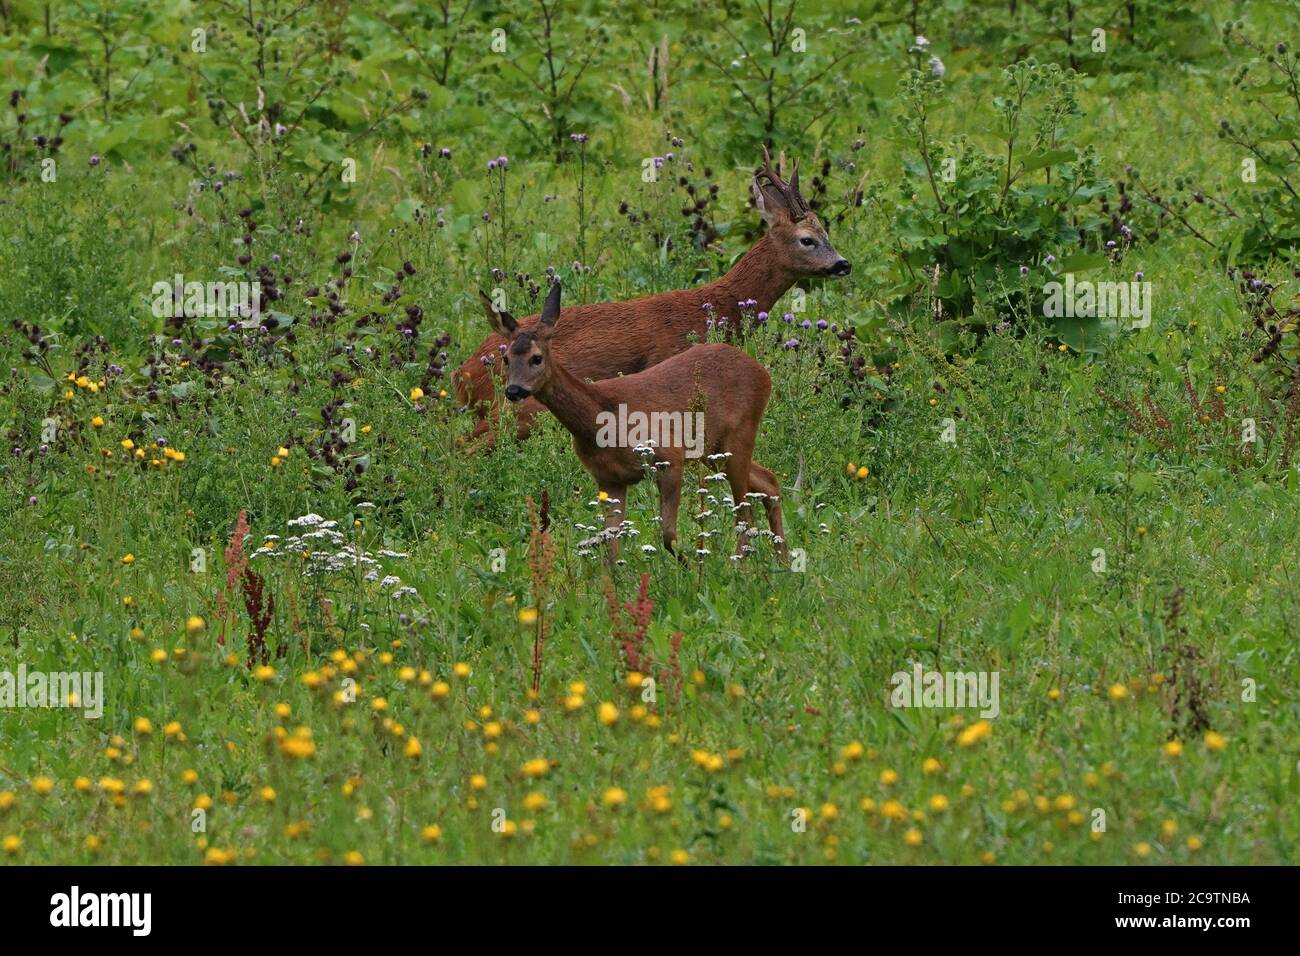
(325, 551)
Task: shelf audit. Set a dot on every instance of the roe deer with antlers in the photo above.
(719, 383)
(605, 339)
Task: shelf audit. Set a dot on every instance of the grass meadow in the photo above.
(327, 634)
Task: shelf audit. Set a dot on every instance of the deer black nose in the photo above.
(841, 268)
(516, 392)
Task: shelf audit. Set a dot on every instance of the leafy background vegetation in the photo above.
(279, 693)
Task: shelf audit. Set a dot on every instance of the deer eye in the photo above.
(535, 360)
(807, 241)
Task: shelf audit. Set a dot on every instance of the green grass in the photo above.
(770, 738)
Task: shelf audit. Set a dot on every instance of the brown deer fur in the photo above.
(606, 339)
(721, 381)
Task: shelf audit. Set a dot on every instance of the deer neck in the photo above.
(575, 403)
(758, 276)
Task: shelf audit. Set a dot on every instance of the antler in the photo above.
(788, 191)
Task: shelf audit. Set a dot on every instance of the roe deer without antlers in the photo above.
(605, 339)
(721, 382)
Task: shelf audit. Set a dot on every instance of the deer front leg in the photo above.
(529, 409)
(615, 507)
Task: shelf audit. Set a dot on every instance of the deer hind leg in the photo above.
(764, 481)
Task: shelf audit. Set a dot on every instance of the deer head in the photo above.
(798, 234)
(528, 356)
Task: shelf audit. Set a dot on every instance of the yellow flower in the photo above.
(893, 810)
(188, 776)
(679, 857)
(1215, 742)
(537, 767)
(353, 858)
(461, 670)
(1142, 849)
(128, 558)
(853, 751)
(527, 615)
(97, 422)
(614, 797)
(863, 471)
(440, 690)
(974, 733)
(938, 803)
(416, 393)
(478, 782)
(43, 785)
(12, 844)
(299, 745)
(1173, 748)
(1194, 843)
(1117, 692)
(534, 802)
(431, 833)
(194, 624)
(608, 714)
(930, 765)
(143, 726)
(413, 748)
(889, 777)
(268, 795)
(913, 837)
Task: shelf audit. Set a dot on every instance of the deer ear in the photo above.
(770, 203)
(550, 312)
(503, 323)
